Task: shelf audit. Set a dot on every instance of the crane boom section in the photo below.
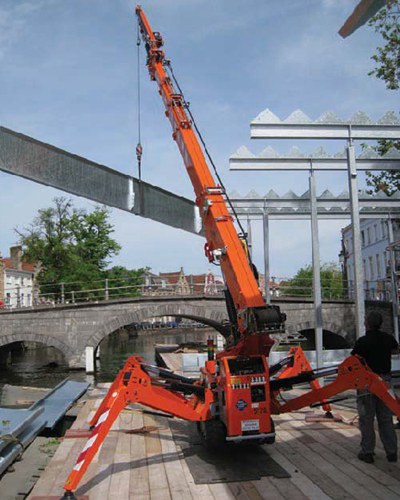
(223, 242)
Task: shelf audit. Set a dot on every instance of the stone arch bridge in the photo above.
(77, 329)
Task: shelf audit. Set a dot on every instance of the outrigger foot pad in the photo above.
(68, 495)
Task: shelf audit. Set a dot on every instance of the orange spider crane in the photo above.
(237, 391)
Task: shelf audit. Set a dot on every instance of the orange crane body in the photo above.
(237, 391)
(220, 232)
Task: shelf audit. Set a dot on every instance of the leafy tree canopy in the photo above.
(124, 282)
(387, 57)
(387, 68)
(301, 285)
(73, 247)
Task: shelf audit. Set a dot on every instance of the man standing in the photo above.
(376, 347)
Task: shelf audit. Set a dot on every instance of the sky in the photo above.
(69, 77)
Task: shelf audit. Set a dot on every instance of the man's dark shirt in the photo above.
(376, 348)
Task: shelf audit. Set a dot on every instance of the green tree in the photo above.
(387, 68)
(387, 57)
(71, 245)
(124, 282)
(301, 284)
(91, 237)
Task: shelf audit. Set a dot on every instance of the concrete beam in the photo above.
(39, 162)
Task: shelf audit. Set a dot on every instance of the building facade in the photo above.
(179, 283)
(375, 257)
(18, 287)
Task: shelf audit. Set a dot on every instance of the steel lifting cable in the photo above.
(139, 148)
(186, 104)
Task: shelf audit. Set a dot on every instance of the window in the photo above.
(362, 239)
(371, 268)
(378, 266)
(368, 235)
(376, 235)
(365, 268)
(383, 228)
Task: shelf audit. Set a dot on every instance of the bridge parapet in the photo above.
(72, 328)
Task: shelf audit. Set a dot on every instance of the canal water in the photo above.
(41, 366)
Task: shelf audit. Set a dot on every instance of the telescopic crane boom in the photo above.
(248, 311)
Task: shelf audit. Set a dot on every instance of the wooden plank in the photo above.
(340, 477)
(287, 489)
(197, 490)
(221, 491)
(240, 491)
(368, 482)
(159, 488)
(172, 361)
(303, 483)
(292, 452)
(383, 472)
(66, 468)
(119, 483)
(173, 466)
(361, 472)
(100, 484)
(251, 490)
(268, 490)
(139, 476)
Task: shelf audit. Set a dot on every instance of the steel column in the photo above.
(317, 296)
(356, 235)
(267, 290)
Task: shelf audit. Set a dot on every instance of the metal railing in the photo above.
(111, 289)
(108, 289)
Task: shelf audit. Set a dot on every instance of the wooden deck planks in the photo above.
(159, 487)
(303, 483)
(139, 487)
(359, 471)
(120, 479)
(148, 465)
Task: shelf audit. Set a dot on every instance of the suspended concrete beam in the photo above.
(39, 162)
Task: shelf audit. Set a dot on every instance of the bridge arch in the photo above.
(209, 314)
(307, 325)
(47, 340)
(333, 334)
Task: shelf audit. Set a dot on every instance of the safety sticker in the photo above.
(250, 425)
(240, 386)
(257, 380)
(241, 405)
